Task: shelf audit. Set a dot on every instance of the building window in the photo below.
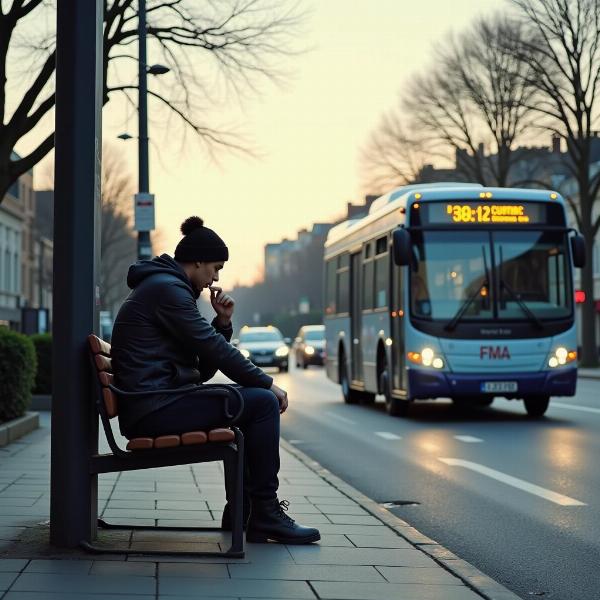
(330, 281)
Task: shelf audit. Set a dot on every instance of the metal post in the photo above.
(144, 244)
(73, 492)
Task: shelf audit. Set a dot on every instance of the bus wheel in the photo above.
(350, 396)
(395, 407)
(536, 406)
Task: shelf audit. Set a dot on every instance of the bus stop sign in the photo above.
(144, 212)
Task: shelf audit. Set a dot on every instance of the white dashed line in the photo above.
(515, 482)
(469, 439)
(386, 435)
(341, 419)
(575, 407)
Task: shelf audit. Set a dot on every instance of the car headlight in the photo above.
(282, 351)
(309, 350)
(427, 357)
(245, 353)
(561, 356)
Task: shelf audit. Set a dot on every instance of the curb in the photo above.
(467, 573)
(592, 376)
(13, 430)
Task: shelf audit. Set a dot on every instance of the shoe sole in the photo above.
(264, 539)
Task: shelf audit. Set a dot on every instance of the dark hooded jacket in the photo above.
(160, 341)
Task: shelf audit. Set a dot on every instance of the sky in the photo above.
(308, 133)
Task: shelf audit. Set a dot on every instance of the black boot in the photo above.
(226, 517)
(268, 521)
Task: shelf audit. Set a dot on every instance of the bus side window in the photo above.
(382, 269)
(368, 278)
(330, 286)
(343, 284)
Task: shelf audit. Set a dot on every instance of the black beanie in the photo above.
(200, 243)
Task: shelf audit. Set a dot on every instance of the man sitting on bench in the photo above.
(160, 340)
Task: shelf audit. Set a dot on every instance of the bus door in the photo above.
(397, 328)
(356, 317)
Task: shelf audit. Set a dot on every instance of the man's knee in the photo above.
(260, 401)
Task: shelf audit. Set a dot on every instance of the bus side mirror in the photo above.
(401, 246)
(578, 250)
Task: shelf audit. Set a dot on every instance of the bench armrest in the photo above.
(226, 391)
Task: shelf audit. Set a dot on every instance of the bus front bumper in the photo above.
(429, 384)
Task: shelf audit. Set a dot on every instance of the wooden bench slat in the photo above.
(194, 437)
(106, 379)
(98, 346)
(140, 444)
(103, 363)
(167, 441)
(221, 435)
(110, 402)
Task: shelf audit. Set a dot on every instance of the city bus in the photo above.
(453, 291)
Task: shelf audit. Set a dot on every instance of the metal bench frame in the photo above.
(231, 453)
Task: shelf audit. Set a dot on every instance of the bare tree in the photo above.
(562, 53)
(476, 98)
(233, 44)
(118, 243)
(393, 155)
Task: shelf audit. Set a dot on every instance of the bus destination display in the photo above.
(483, 213)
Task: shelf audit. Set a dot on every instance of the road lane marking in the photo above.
(386, 435)
(514, 481)
(341, 419)
(575, 407)
(469, 439)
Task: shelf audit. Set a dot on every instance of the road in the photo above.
(516, 498)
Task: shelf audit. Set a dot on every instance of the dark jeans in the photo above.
(259, 423)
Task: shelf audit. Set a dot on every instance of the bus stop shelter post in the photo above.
(78, 133)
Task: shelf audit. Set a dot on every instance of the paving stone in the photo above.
(6, 580)
(187, 537)
(11, 533)
(353, 519)
(250, 588)
(140, 513)
(113, 567)
(134, 504)
(306, 572)
(379, 591)
(335, 539)
(419, 575)
(397, 557)
(81, 567)
(376, 541)
(192, 570)
(206, 546)
(12, 565)
(78, 584)
(75, 596)
(341, 509)
(357, 529)
(194, 505)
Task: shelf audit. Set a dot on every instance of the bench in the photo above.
(223, 444)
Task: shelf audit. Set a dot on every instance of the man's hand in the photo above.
(281, 396)
(223, 305)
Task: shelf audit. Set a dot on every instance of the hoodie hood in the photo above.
(159, 264)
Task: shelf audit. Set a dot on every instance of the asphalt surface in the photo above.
(517, 498)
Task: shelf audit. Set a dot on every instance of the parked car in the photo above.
(309, 346)
(264, 346)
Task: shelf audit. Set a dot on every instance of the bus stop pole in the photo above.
(78, 142)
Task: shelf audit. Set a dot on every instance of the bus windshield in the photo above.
(490, 275)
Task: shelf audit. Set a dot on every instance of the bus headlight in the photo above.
(309, 350)
(561, 356)
(245, 353)
(282, 351)
(427, 357)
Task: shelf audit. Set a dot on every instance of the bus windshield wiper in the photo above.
(504, 286)
(451, 325)
(522, 305)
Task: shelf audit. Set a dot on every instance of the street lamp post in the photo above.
(144, 243)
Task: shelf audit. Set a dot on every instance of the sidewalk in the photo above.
(365, 553)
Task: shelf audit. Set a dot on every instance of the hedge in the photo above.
(43, 351)
(17, 373)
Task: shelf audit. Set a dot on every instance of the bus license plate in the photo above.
(499, 386)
